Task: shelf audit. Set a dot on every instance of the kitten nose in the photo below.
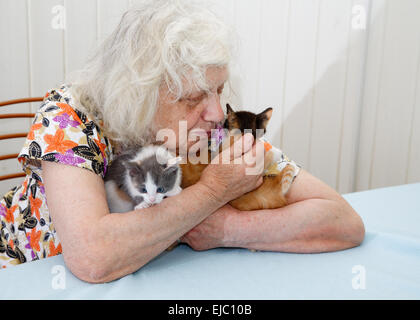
(152, 198)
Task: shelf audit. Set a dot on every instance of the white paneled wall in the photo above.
(389, 144)
(343, 76)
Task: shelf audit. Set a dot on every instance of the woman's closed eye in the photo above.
(195, 100)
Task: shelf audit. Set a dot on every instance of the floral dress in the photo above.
(62, 134)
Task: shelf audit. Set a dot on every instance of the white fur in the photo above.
(152, 197)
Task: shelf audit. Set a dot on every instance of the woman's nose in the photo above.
(214, 111)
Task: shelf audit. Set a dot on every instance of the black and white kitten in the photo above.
(140, 178)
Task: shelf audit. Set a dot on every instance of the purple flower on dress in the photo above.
(64, 121)
(69, 158)
(217, 136)
(105, 164)
(42, 189)
(28, 246)
(3, 210)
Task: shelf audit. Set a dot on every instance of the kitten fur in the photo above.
(137, 170)
(271, 193)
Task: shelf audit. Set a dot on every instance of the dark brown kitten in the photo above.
(247, 120)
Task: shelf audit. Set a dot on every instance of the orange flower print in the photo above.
(35, 205)
(10, 218)
(101, 146)
(267, 146)
(34, 127)
(57, 142)
(53, 250)
(25, 186)
(34, 237)
(69, 110)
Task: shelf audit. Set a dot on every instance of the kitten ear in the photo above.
(171, 169)
(263, 118)
(231, 119)
(161, 156)
(229, 109)
(174, 161)
(133, 168)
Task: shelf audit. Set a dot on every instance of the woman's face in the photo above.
(194, 115)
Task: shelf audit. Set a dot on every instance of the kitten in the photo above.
(276, 182)
(140, 178)
(247, 120)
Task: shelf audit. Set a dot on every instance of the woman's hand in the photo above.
(233, 172)
(211, 232)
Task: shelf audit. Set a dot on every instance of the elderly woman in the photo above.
(166, 61)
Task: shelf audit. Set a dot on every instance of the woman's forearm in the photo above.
(127, 241)
(313, 225)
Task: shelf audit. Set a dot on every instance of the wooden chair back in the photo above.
(15, 135)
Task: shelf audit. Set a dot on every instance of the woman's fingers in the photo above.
(254, 158)
(236, 150)
(236, 170)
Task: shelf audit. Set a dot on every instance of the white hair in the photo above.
(157, 42)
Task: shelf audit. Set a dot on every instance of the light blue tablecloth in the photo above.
(385, 266)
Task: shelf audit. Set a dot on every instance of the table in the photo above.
(385, 266)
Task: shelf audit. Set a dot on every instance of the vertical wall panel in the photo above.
(245, 76)
(373, 78)
(401, 54)
(80, 33)
(350, 122)
(109, 15)
(46, 47)
(13, 44)
(14, 81)
(300, 77)
(272, 69)
(329, 91)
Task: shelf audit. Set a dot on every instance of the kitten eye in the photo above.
(160, 190)
(143, 190)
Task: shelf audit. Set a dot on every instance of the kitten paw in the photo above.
(142, 205)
